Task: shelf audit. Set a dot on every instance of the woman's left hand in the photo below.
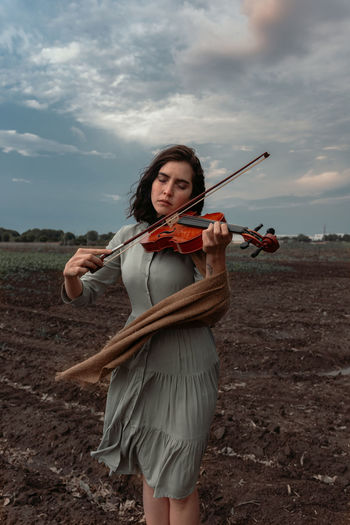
(215, 238)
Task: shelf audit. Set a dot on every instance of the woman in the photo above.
(161, 401)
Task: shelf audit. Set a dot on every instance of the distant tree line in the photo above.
(335, 237)
(92, 237)
(328, 237)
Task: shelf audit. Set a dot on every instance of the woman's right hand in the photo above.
(83, 260)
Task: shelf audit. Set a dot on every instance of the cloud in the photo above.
(331, 200)
(57, 55)
(31, 145)
(213, 74)
(185, 118)
(269, 206)
(78, 133)
(113, 197)
(26, 181)
(31, 103)
(337, 147)
(219, 51)
(213, 171)
(280, 192)
(235, 74)
(312, 183)
(14, 39)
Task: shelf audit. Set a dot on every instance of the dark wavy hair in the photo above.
(141, 207)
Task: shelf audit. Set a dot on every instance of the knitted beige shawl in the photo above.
(205, 302)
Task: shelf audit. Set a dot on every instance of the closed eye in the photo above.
(162, 178)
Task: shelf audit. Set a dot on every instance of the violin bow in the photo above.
(172, 217)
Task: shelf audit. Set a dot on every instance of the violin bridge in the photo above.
(171, 221)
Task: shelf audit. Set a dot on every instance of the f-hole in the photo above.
(165, 232)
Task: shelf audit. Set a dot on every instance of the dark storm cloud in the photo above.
(276, 30)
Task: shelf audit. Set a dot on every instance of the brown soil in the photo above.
(279, 446)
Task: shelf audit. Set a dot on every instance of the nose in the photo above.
(168, 188)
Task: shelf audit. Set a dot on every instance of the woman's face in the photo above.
(172, 187)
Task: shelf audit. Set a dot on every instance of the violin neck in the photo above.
(200, 222)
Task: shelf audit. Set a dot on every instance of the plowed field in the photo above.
(279, 450)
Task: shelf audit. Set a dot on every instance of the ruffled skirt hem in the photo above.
(139, 450)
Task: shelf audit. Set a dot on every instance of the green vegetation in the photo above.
(256, 266)
(294, 250)
(25, 262)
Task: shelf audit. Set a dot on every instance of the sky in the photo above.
(91, 90)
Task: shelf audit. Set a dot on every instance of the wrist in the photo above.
(73, 286)
(216, 257)
(215, 263)
(70, 278)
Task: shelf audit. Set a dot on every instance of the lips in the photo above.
(164, 203)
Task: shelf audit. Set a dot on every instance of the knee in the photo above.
(182, 502)
(179, 502)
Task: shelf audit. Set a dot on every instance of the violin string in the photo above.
(139, 239)
(130, 245)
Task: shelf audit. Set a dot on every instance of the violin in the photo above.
(183, 234)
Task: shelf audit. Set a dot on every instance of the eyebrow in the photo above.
(177, 180)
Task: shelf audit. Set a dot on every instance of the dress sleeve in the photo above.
(95, 284)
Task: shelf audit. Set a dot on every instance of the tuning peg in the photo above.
(257, 251)
(245, 244)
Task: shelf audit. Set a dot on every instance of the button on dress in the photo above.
(160, 403)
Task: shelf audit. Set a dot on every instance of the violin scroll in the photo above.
(267, 243)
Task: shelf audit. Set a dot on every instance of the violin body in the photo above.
(182, 239)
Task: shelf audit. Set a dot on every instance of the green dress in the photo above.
(161, 402)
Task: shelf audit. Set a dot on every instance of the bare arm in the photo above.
(215, 240)
(83, 260)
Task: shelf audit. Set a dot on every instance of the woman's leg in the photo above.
(156, 509)
(185, 511)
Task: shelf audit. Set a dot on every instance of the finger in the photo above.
(81, 270)
(75, 271)
(94, 251)
(226, 234)
(221, 234)
(208, 234)
(217, 228)
(88, 261)
(93, 262)
(210, 227)
(218, 232)
(224, 228)
(100, 251)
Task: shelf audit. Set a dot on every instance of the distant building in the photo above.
(317, 237)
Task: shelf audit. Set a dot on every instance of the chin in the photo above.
(163, 210)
